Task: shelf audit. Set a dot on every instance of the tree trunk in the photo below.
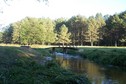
(63, 44)
(81, 43)
(115, 43)
(43, 43)
(92, 43)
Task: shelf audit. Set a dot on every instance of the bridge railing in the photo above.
(73, 46)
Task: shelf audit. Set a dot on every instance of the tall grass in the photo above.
(113, 56)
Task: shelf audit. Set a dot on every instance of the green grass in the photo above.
(23, 66)
(112, 56)
(102, 55)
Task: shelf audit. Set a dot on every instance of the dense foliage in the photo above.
(78, 30)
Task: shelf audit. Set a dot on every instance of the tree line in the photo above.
(96, 30)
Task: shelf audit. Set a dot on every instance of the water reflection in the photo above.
(97, 74)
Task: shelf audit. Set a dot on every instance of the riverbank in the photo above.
(103, 55)
(107, 56)
(98, 74)
(19, 65)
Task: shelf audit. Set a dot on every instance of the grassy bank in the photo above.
(103, 55)
(25, 65)
(107, 56)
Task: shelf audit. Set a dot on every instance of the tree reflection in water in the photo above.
(97, 74)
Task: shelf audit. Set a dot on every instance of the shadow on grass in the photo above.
(22, 66)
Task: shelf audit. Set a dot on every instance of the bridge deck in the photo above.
(67, 47)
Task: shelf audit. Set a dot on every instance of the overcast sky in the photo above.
(19, 9)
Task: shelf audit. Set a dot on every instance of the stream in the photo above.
(96, 73)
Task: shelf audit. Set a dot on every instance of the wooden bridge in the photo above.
(65, 48)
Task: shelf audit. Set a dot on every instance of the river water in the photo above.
(96, 73)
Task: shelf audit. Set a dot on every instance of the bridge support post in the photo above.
(64, 50)
(53, 50)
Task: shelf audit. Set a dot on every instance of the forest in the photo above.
(98, 30)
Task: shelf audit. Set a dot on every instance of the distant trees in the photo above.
(30, 31)
(115, 29)
(86, 30)
(1, 35)
(64, 35)
(77, 30)
(123, 25)
(59, 22)
(92, 32)
(77, 26)
(95, 27)
(7, 35)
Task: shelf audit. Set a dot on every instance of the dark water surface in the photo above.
(96, 73)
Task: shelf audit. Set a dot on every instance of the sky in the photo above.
(19, 9)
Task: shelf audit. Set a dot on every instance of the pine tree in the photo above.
(64, 36)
